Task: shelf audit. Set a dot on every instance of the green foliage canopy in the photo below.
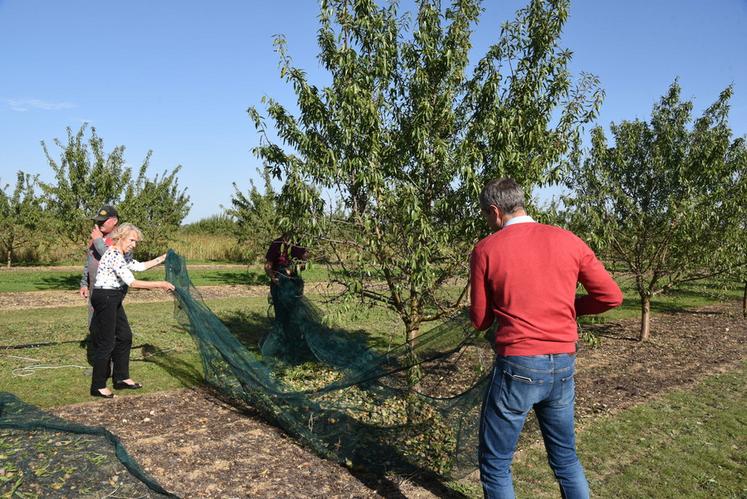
(86, 177)
(404, 138)
(21, 216)
(257, 217)
(667, 201)
(156, 205)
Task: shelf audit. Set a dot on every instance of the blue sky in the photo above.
(177, 76)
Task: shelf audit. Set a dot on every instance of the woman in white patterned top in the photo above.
(110, 329)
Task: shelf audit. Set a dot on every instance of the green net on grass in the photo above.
(344, 399)
(42, 455)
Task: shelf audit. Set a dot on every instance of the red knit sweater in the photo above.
(525, 277)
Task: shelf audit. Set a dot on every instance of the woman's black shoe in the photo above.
(96, 393)
(121, 385)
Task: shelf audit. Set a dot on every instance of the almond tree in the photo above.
(157, 205)
(667, 200)
(21, 216)
(86, 177)
(256, 215)
(408, 131)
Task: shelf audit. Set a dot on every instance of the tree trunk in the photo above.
(413, 331)
(414, 374)
(744, 301)
(9, 257)
(412, 334)
(645, 318)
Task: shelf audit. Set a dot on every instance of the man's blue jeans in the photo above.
(520, 383)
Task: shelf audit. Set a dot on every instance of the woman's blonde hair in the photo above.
(123, 230)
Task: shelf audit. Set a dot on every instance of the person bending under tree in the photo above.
(283, 261)
(524, 278)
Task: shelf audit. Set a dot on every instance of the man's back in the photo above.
(525, 276)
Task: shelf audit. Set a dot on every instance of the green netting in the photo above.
(42, 455)
(345, 400)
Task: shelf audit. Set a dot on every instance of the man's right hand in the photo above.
(84, 292)
(96, 232)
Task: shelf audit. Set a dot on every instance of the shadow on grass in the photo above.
(185, 372)
(60, 282)
(247, 278)
(248, 327)
(360, 336)
(634, 304)
(680, 300)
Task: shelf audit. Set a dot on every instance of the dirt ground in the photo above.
(684, 347)
(53, 299)
(197, 446)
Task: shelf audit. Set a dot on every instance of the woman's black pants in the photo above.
(111, 336)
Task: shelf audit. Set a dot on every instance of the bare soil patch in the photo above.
(197, 446)
(684, 347)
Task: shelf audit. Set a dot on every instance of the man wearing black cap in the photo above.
(106, 220)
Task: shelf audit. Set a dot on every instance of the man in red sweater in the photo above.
(524, 278)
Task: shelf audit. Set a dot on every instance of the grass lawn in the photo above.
(688, 443)
(692, 295)
(64, 375)
(179, 364)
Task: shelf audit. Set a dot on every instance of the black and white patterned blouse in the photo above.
(115, 270)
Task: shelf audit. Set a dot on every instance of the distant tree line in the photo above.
(380, 169)
(37, 216)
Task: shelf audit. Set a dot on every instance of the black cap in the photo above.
(104, 213)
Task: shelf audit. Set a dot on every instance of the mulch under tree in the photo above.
(197, 445)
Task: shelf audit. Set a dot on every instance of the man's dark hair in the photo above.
(504, 193)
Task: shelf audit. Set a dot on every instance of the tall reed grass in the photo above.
(193, 246)
(209, 247)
